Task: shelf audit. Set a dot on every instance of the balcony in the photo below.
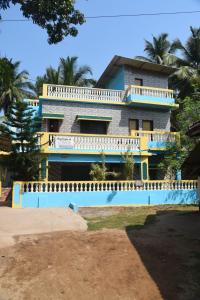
(90, 144)
(134, 95)
(82, 93)
(157, 140)
(148, 96)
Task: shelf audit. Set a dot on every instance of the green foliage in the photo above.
(162, 51)
(13, 84)
(21, 126)
(99, 172)
(179, 151)
(67, 73)
(158, 50)
(128, 167)
(58, 17)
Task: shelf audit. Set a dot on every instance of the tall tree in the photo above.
(180, 150)
(67, 73)
(13, 84)
(188, 65)
(51, 76)
(71, 74)
(158, 50)
(58, 17)
(21, 126)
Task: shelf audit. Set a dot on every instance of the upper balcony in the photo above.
(150, 96)
(134, 95)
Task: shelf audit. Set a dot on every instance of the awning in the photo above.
(52, 116)
(93, 118)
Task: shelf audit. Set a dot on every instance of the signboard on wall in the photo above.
(64, 142)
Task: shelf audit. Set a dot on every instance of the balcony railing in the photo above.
(157, 139)
(82, 93)
(133, 92)
(88, 143)
(32, 102)
(150, 91)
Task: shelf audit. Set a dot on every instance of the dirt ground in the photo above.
(158, 261)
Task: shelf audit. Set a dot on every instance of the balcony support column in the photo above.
(178, 175)
(44, 166)
(144, 168)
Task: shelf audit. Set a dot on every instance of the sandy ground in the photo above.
(14, 222)
(159, 261)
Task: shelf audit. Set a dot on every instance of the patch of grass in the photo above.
(134, 217)
(122, 220)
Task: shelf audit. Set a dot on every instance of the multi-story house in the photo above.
(128, 110)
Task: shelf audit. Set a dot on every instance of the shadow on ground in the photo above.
(169, 247)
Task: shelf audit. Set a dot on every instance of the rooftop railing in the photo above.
(82, 93)
(105, 95)
(32, 102)
(150, 91)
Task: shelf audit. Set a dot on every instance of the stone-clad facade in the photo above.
(120, 114)
(150, 79)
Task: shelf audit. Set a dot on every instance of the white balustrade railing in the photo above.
(93, 143)
(148, 91)
(33, 102)
(84, 93)
(100, 186)
(157, 136)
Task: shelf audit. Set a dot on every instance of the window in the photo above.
(93, 127)
(147, 125)
(139, 81)
(53, 125)
(133, 125)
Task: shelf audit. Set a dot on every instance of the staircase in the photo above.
(5, 198)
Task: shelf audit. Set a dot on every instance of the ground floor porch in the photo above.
(72, 167)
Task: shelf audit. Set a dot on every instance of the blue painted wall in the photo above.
(108, 198)
(117, 82)
(87, 158)
(133, 97)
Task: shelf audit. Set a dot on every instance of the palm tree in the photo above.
(189, 64)
(159, 50)
(14, 85)
(67, 73)
(71, 74)
(51, 76)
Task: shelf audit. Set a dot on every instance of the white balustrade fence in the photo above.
(101, 186)
(153, 92)
(84, 93)
(95, 143)
(33, 102)
(156, 135)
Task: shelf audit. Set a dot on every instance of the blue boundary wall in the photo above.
(102, 198)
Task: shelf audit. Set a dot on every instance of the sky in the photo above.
(98, 39)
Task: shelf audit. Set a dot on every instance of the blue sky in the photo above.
(98, 40)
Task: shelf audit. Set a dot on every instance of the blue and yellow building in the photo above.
(128, 110)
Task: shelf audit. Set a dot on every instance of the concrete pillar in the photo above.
(144, 168)
(44, 169)
(178, 175)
